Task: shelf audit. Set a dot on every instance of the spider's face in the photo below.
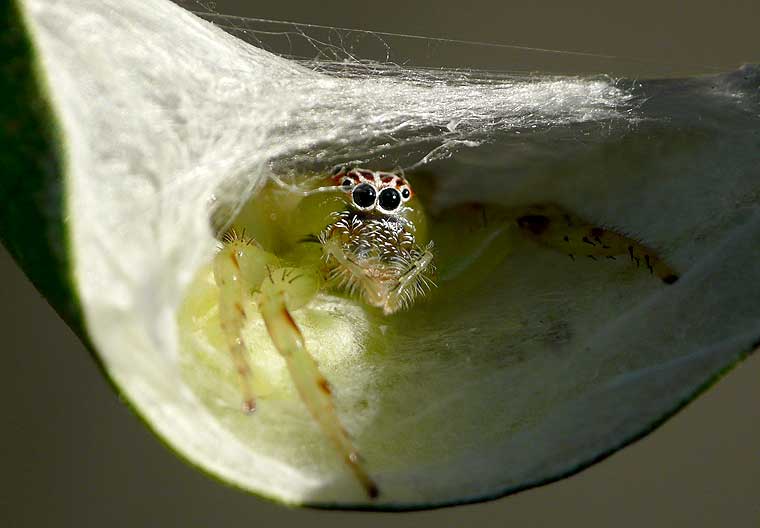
(370, 249)
(385, 193)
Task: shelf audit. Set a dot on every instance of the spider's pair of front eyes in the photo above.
(366, 197)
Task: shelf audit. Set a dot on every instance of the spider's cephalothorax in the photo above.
(370, 249)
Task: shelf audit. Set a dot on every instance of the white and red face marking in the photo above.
(384, 192)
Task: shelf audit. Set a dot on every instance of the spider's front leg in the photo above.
(284, 290)
(240, 264)
(244, 272)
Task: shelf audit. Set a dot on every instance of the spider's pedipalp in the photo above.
(378, 259)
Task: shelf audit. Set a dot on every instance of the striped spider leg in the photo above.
(480, 236)
(242, 268)
(559, 229)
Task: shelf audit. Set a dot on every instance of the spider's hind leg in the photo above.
(559, 229)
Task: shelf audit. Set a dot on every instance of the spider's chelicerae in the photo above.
(363, 233)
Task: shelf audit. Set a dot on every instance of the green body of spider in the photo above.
(358, 235)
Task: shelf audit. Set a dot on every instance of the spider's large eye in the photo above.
(364, 195)
(389, 199)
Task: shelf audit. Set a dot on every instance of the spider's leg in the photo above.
(238, 267)
(555, 227)
(282, 291)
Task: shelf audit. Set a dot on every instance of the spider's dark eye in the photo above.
(347, 182)
(364, 195)
(406, 193)
(389, 199)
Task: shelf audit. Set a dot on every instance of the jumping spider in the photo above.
(363, 233)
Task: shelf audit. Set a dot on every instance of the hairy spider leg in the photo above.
(239, 264)
(282, 291)
(484, 234)
(559, 229)
(242, 268)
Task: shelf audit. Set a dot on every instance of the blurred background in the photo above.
(71, 454)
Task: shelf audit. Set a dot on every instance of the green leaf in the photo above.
(125, 125)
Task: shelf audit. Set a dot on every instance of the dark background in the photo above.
(72, 455)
